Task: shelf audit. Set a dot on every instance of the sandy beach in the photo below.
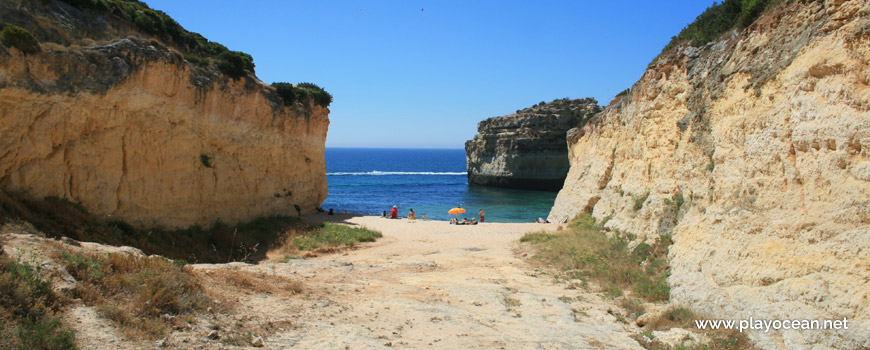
(429, 284)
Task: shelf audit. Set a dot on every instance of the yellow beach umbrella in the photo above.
(456, 211)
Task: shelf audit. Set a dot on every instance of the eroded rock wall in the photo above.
(754, 153)
(130, 130)
(527, 149)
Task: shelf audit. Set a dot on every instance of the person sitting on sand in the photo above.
(423, 217)
(539, 221)
(394, 213)
(465, 221)
(384, 215)
(412, 215)
(473, 221)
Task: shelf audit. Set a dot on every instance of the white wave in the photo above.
(382, 173)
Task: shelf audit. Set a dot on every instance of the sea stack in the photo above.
(527, 149)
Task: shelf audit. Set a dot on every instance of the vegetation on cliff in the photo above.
(137, 293)
(633, 273)
(235, 64)
(19, 38)
(585, 252)
(29, 309)
(300, 92)
(720, 18)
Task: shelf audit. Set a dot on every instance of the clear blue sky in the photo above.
(422, 74)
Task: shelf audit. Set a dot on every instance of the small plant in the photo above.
(321, 97)
(537, 237)
(639, 201)
(510, 303)
(633, 307)
(624, 92)
(676, 201)
(19, 38)
(206, 160)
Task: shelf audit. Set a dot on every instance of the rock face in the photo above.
(526, 150)
(131, 130)
(754, 153)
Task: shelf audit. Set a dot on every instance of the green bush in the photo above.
(19, 38)
(638, 201)
(206, 159)
(159, 24)
(301, 91)
(289, 93)
(718, 19)
(45, 334)
(235, 64)
(321, 97)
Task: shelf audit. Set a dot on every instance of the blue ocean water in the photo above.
(431, 181)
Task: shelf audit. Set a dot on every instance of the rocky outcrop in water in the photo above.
(754, 153)
(526, 150)
(131, 130)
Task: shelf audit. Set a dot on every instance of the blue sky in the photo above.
(422, 74)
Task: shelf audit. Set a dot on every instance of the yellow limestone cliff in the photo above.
(132, 131)
(754, 153)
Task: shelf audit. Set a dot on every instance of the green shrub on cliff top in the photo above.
(235, 64)
(321, 97)
(154, 22)
(19, 38)
(290, 93)
(718, 19)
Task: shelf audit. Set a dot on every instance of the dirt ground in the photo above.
(424, 285)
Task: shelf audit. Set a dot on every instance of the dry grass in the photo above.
(257, 282)
(142, 295)
(680, 317)
(585, 252)
(30, 310)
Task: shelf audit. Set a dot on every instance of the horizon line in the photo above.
(367, 147)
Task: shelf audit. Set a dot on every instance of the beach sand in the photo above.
(429, 284)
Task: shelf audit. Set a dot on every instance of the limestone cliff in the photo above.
(131, 130)
(754, 153)
(526, 150)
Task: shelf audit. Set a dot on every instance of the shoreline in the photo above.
(339, 217)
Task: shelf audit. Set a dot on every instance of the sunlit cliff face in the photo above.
(132, 131)
(754, 153)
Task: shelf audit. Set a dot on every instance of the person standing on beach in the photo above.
(481, 215)
(394, 213)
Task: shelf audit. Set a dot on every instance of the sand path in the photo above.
(434, 285)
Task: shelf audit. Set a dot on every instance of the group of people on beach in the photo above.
(455, 221)
(394, 214)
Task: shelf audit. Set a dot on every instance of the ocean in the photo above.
(431, 181)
